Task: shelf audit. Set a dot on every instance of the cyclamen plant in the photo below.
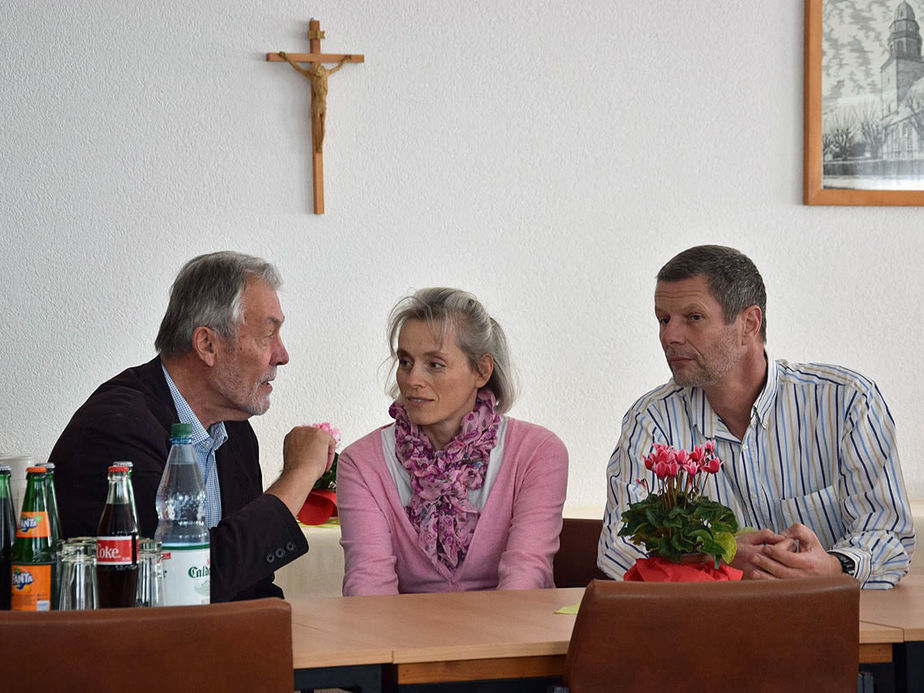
(677, 519)
(328, 480)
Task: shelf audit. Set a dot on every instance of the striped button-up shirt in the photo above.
(820, 450)
(204, 443)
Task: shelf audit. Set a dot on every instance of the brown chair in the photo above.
(787, 635)
(575, 564)
(236, 646)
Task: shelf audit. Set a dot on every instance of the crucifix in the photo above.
(317, 74)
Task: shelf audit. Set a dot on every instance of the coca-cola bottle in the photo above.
(117, 544)
(33, 562)
(7, 536)
(131, 488)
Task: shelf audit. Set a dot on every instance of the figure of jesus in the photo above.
(317, 74)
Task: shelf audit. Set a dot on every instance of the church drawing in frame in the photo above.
(872, 129)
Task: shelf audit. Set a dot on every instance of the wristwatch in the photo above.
(848, 567)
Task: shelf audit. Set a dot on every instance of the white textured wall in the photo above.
(547, 156)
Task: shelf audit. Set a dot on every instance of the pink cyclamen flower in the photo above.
(666, 469)
(690, 465)
(712, 465)
(327, 428)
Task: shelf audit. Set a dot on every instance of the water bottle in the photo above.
(181, 523)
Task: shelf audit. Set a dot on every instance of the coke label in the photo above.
(115, 550)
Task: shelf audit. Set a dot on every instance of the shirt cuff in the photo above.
(862, 566)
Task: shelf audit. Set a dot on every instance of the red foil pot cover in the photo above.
(319, 507)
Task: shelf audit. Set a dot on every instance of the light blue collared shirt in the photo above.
(820, 450)
(204, 443)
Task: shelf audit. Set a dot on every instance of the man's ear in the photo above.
(753, 319)
(205, 345)
(485, 369)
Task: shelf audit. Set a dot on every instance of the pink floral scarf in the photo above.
(440, 510)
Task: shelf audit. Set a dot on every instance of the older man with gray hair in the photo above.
(218, 349)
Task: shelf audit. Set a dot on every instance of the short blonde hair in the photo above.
(478, 334)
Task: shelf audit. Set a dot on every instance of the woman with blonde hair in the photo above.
(454, 495)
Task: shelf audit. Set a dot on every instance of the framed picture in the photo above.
(864, 103)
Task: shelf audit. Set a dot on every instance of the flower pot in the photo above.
(319, 507)
(693, 567)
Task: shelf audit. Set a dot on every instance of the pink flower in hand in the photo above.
(327, 428)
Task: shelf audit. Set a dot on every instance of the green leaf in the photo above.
(729, 546)
(689, 525)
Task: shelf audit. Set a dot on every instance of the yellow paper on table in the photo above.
(570, 609)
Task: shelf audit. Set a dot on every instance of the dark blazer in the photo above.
(129, 418)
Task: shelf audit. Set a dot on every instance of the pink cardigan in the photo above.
(514, 541)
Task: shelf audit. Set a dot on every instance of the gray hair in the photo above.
(207, 292)
(732, 278)
(478, 334)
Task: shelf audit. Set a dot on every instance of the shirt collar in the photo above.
(708, 423)
(765, 399)
(207, 440)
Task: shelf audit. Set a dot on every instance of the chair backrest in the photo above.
(236, 646)
(575, 564)
(750, 636)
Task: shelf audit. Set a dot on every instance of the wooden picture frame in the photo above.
(851, 172)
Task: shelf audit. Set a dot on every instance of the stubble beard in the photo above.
(243, 397)
(709, 371)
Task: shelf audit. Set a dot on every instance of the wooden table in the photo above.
(464, 636)
(901, 608)
(460, 636)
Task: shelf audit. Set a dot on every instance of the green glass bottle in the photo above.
(7, 536)
(33, 559)
(54, 522)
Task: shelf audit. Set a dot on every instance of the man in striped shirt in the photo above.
(809, 451)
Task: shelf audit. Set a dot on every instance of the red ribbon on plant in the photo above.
(656, 569)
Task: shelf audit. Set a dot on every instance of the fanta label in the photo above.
(33, 525)
(115, 550)
(31, 587)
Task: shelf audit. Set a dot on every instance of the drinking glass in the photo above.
(150, 574)
(78, 587)
(19, 464)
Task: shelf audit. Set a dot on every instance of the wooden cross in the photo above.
(317, 74)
